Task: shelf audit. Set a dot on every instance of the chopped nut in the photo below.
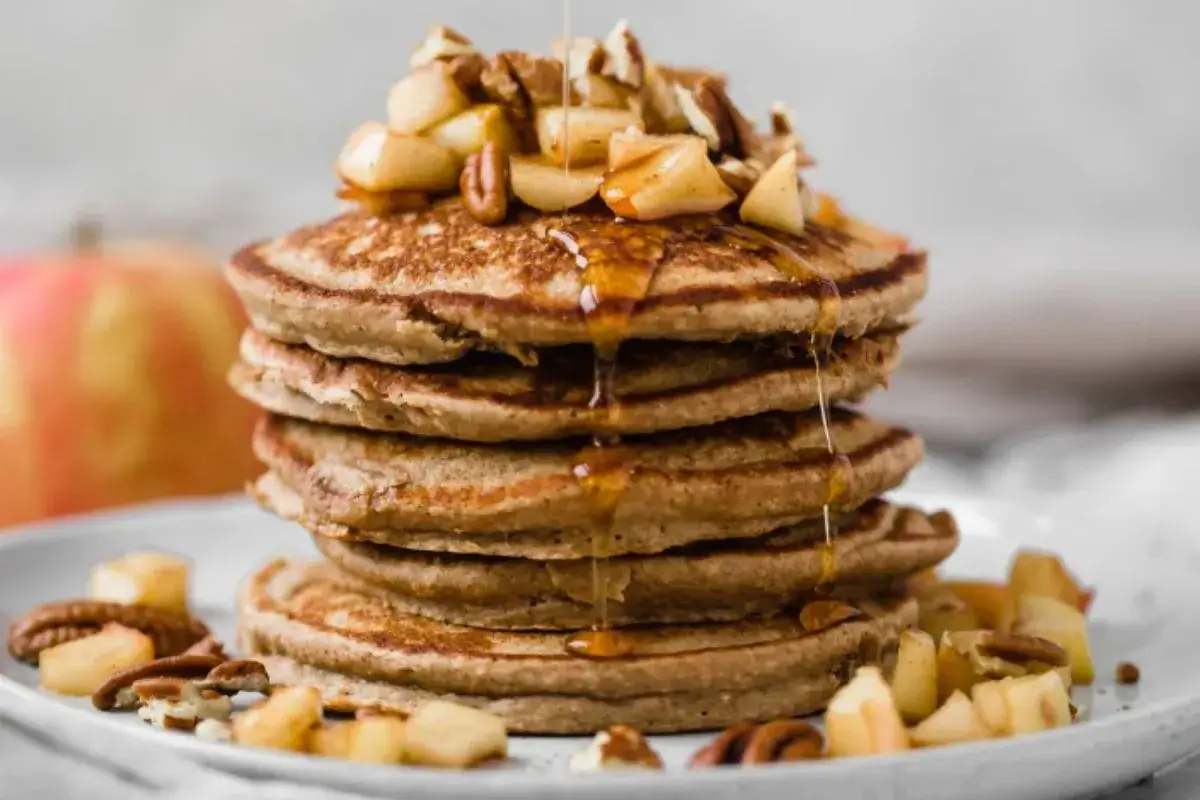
(441, 44)
(712, 114)
(541, 78)
(583, 55)
(739, 174)
(778, 741)
(618, 748)
(782, 139)
(177, 704)
(499, 83)
(484, 184)
(194, 667)
(625, 61)
(1128, 673)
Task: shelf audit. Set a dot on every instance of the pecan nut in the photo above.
(112, 694)
(770, 742)
(237, 675)
(484, 184)
(1019, 648)
(498, 83)
(56, 623)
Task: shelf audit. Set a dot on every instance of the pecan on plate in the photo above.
(748, 743)
(484, 184)
(115, 694)
(55, 623)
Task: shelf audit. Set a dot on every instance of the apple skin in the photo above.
(112, 382)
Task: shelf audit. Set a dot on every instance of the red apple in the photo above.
(112, 381)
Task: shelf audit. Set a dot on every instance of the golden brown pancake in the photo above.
(490, 397)
(876, 548)
(773, 465)
(363, 653)
(429, 286)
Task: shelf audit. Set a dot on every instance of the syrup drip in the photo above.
(795, 266)
(617, 263)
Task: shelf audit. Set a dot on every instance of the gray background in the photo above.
(1046, 151)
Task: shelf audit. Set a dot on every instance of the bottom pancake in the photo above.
(362, 652)
(877, 547)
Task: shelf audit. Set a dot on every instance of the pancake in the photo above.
(488, 397)
(716, 582)
(542, 544)
(363, 653)
(429, 286)
(772, 465)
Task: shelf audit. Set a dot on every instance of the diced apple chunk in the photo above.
(424, 99)
(991, 603)
(1045, 575)
(955, 722)
(148, 579)
(598, 91)
(941, 611)
(369, 740)
(675, 180)
(540, 183)
(955, 671)
(862, 718)
(332, 740)
(378, 160)
(1063, 624)
(628, 147)
(992, 706)
(776, 200)
(284, 721)
(1037, 703)
(469, 131)
(81, 667)
(442, 734)
(580, 136)
(915, 680)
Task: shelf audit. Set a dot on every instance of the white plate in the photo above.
(1143, 613)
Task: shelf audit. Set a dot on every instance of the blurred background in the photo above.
(1047, 154)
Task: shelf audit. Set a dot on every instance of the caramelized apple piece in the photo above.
(862, 718)
(284, 721)
(955, 671)
(1061, 623)
(1037, 703)
(441, 734)
(1046, 575)
(424, 99)
(955, 722)
(628, 147)
(540, 183)
(941, 611)
(81, 667)
(148, 579)
(597, 91)
(915, 681)
(581, 136)
(992, 706)
(469, 131)
(676, 180)
(777, 200)
(991, 603)
(378, 160)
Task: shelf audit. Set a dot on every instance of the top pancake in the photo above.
(427, 287)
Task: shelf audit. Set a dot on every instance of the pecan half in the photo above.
(499, 84)
(541, 78)
(1019, 648)
(110, 696)
(770, 742)
(55, 623)
(484, 184)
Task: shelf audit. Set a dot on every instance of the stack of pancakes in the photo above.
(431, 388)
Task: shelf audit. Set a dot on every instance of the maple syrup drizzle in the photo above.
(566, 86)
(616, 263)
(820, 344)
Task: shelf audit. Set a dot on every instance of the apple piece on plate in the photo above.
(469, 131)
(955, 722)
(148, 579)
(442, 734)
(941, 611)
(862, 718)
(284, 721)
(991, 705)
(376, 739)
(424, 99)
(778, 199)
(598, 91)
(675, 180)
(81, 667)
(991, 603)
(332, 740)
(579, 136)
(955, 671)
(1062, 624)
(1045, 575)
(542, 184)
(915, 680)
(378, 160)
(1036, 703)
